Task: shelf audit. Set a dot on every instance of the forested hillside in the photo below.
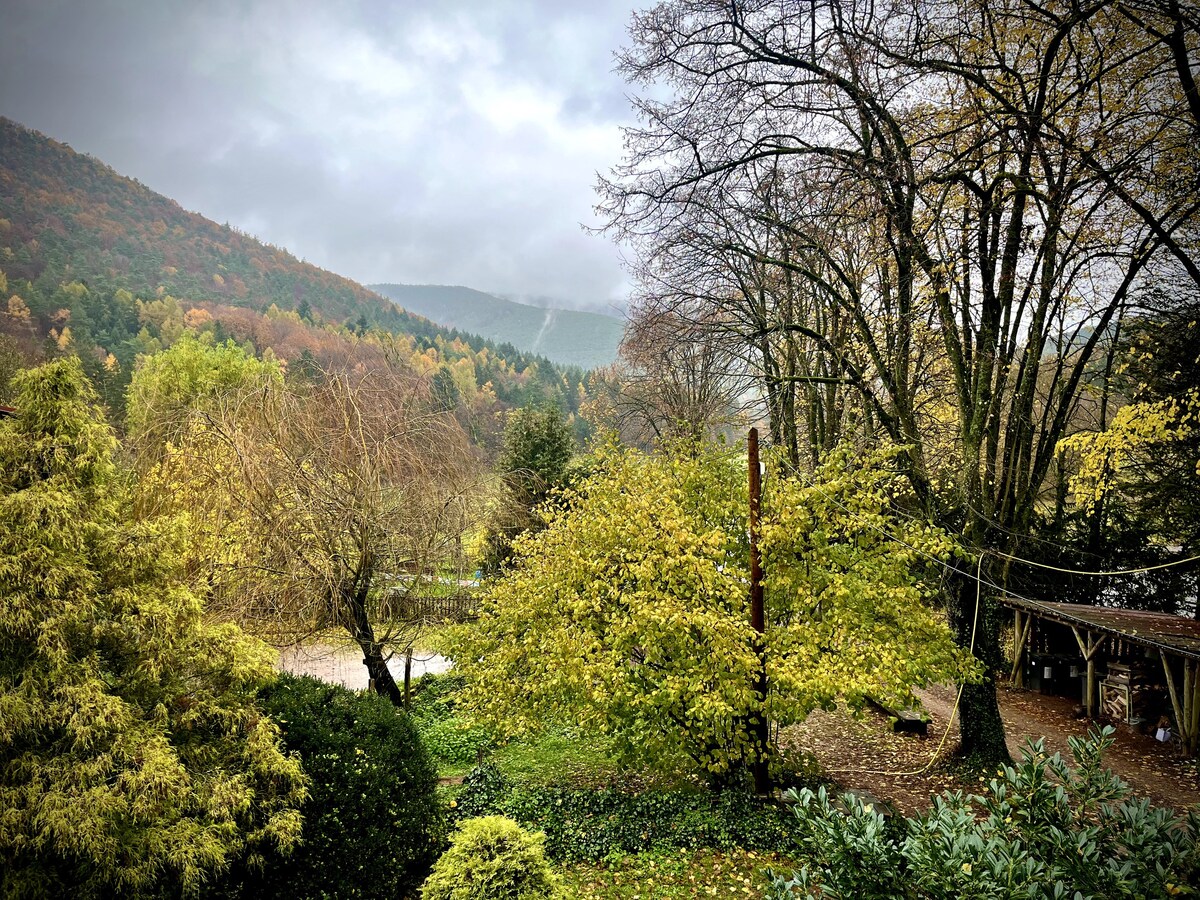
(99, 264)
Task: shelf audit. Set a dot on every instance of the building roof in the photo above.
(1163, 631)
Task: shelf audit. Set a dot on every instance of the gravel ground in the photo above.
(344, 665)
(861, 753)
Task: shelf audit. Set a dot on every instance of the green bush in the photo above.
(484, 788)
(372, 826)
(492, 858)
(1044, 829)
(592, 824)
(433, 695)
(454, 740)
(446, 735)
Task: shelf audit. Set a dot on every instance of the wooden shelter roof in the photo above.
(1163, 631)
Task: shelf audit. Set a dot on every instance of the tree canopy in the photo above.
(629, 613)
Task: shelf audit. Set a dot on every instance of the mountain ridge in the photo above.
(564, 336)
(91, 257)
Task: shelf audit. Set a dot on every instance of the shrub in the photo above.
(1044, 829)
(492, 858)
(592, 824)
(372, 826)
(454, 740)
(484, 788)
(447, 736)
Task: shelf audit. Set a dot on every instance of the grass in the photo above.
(558, 757)
(686, 874)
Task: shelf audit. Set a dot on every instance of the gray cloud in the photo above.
(453, 142)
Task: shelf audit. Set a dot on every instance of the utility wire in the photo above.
(1109, 574)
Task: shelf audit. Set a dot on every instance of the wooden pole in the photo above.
(760, 724)
(1195, 736)
(1020, 637)
(1187, 730)
(1179, 721)
(407, 678)
(1089, 651)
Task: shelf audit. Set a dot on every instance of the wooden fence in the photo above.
(431, 610)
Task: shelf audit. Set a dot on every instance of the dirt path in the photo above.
(862, 754)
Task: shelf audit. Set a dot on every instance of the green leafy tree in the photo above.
(193, 375)
(132, 756)
(629, 613)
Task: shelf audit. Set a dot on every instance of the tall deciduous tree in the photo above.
(132, 756)
(343, 493)
(1001, 177)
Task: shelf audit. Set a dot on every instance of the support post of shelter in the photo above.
(1187, 706)
(1089, 650)
(1195, 726)
(1187, 729)
(1022, 622)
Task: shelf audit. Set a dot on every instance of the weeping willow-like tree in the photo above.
(133, 759)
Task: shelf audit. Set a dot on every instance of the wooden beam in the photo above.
(1171, 690)
(1195, 741)
(1079, 641)
(1022, 624)
(1089, 649)
(1187, 731)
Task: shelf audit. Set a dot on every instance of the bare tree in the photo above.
(986, 186)
(675, 383)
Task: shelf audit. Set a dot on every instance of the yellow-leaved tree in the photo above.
(629, 614)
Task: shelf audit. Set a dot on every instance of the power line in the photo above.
(1108, 574)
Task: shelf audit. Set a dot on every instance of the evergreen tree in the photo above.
(132, 757)
(538, 446)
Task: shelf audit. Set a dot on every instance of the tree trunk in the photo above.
(382, 681)
(979, 719)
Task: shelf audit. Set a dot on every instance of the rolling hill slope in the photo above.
(567, 337)
(98, 264)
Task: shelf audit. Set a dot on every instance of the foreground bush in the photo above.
(1045, 829)
(373, 825)
(492, 858)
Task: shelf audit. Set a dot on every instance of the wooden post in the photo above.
(1089, 651)
(1187, 730)
(1020, 637)
(407, 678)
(761, 726)
(1175, 707)
(1194, 742)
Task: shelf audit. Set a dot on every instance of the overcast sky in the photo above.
(443, 142)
